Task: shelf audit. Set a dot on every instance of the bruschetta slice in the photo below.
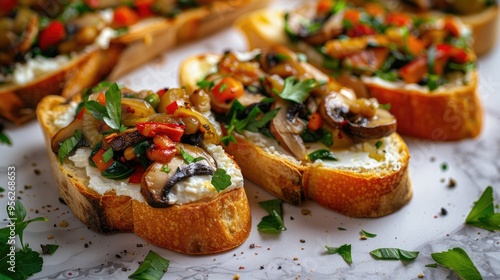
(423, 67)
(147, 163)
(61, 48)
(299, 134)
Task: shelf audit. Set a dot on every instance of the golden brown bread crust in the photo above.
(448, 115)
(372, 193)
(203, 227)
(144, 42)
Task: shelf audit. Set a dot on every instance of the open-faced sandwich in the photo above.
(480, 15)
(298, 133)
(423, 67)
(62, 47)
(147, 163)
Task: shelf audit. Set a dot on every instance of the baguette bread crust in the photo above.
(445, 115)
(203, 227)
(142, 43)
(369, 193)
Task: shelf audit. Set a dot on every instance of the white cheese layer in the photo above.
(38, 66)
(358, 157)
(193, 189)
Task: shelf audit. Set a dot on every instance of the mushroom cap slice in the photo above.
(157, 182)
(287, 129)
(337, 110)
(331, 26)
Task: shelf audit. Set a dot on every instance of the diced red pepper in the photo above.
(415, 70)
(374, 9)
(452, 26)
(136, 177)
(324, 6)
(228, 89)
(99, 161)
(360, 30)
(101, 98)
(163, 150)
(352, 15)
(124, 16)
(415, 46)
(53, 34)
(144, 7)
(172, 107)
(315, 121)
(398, 19)
(7, 6)
(161, 92)
(80, 114)
(372, 58)
(151, 129)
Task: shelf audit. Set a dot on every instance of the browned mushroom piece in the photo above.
(361, 117)
(118, 141)
(245, 100)
(287, 127)
(302, 21)
(65, 133)
(160, 177)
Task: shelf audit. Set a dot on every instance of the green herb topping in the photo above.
(322, 154)
(220, 180)
(482, 214)
(344, 251)
(457, 260)
(153, 267)
(394, 254)
(297, 91)
(69, 145)
(272, 223)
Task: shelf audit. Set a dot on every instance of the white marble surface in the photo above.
(419, 226)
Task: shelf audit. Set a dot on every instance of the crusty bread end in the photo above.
(203, 227)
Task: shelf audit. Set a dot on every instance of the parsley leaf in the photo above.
(482, 214)
(114, 108)
(69, 145)
(107, 155)
(297, 91)
(273, 223)
(220, 180)
(28, 262)
(394, 254)
(323, 154)
(368, 234)
(457, 260)
(205, 84)
(344, 251)
(153, 267)
(49, 249)
(4, 139)
(165, 168)
(189, 158)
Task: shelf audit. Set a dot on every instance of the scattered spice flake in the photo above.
(86, 245)
(242, 267)
(252, 246)
(421, 275)
(433, 159)
(305, 212)
(295, 258)
(50, 237)
(63, 224)
(444, 166)
(444, 211)
(2, 189)
(139, 245)
(27, 187)
(292, 218)
(261, 267)
(236, 276)
(363, 237)
(341, 228)
(452, 183)
(118, 256)
(302, 241)
(37, 172)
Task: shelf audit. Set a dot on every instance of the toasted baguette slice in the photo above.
(202, 227)
(484, 24)
(356, 185)
(143, 41)
(452, 112)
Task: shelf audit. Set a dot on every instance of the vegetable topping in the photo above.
(131, 140)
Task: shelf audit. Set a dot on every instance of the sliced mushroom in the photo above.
(160, 177)
(120, 141)
(361, 117)
(65, 133)
(300, 20)
(287, 129)
(91, 129)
